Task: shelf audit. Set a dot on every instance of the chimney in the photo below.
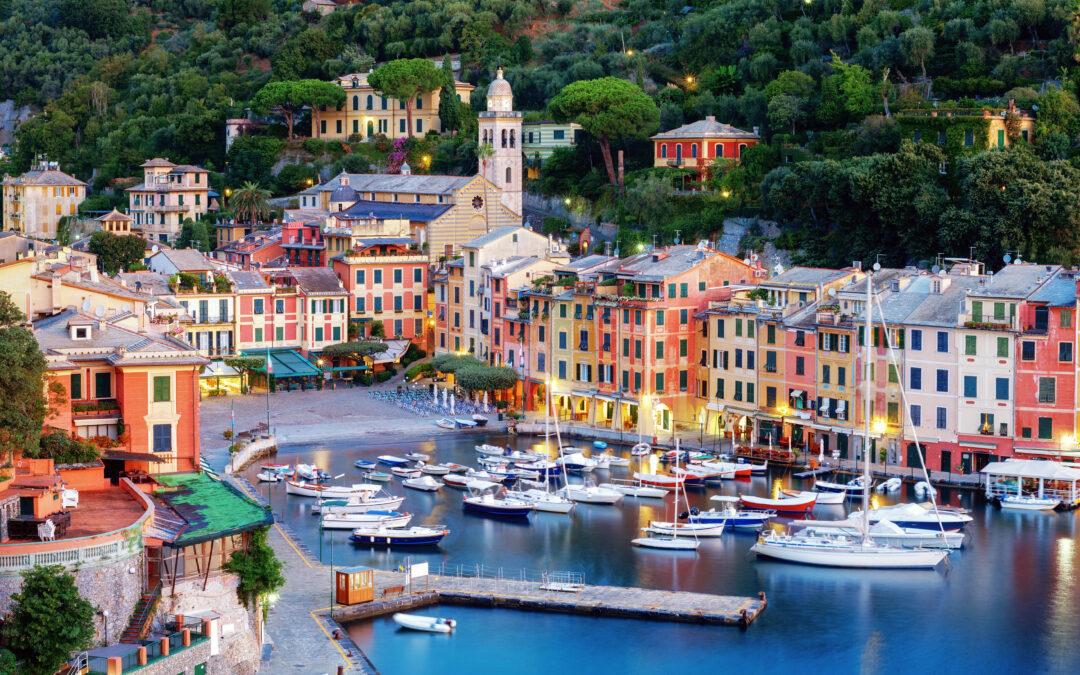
(710, 118)
(93, 273)
(343, 180)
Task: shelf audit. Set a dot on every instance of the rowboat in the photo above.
(392, 460)
(658, 480)
(400, 536)
(428, 624)
(354, 505)
(348, 521)
(423, 483)
(378, 476)
(1029, 503)
(456, 480)
(802, 504)
(446, 423)
(268, 476)
(405, 472)
(823, 498)
(417, 456)
(434, 469)
(689, 529)
(280, 468)
(640, 449)
(364, 464)
(302, 489)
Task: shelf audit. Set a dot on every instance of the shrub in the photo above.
(383, 376)
(63, 449)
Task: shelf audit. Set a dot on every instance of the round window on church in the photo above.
(478, 202)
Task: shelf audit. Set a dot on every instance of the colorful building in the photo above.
(540, 139)
(169, 194)
(387, 282)
(324, 308)
(700, 144)
(35, 202)
(116, 222)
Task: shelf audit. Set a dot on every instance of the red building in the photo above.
(698, 144)
(387, 284)
(266, 316)
(257, 249)
(303, 244)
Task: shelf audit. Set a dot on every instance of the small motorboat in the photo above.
(269, 476)
(399, 536)
(891, 485)
(1029, 503)
(446, 423)
(802, 504)
(735, 470)
(358, 505)
(852, 489)
(423, 483)
(640, 449)
(823, 498)
(392, 460)
(307, 472)
(690, 479)
(493, 450)
(730, 516)
(924, 489)
(612, 460)
(417, 456)
(455, 468)
(465, 424)
(303, 489)
(428, 624)
(576, 462)
(599, 445)
(541, 499)
(279, 468)
(377, 476)
(631, 488)
(377, 518)
(698, 529)
(480, 420)
(364, 464)
(917, 516)
(590, 494)
(457, 480)
(434, 469)
(543, 468)
(490, 499)
(759, 469)
(658, 480)
(884, 533)
(405, 472)
(667, 542)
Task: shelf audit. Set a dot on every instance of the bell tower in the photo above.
(500, 126)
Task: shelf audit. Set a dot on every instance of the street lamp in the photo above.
(641, 247)
(725, 193)
(228, 193)
(879, 425)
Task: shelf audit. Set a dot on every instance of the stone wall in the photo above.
(240, 643)
(183, 662)
(112, 587)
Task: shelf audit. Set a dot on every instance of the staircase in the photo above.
(139, 624)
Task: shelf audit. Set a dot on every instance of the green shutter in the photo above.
(900, 339)
(976, 310)
(861, 328)
(76, 387)
(1003, 347)
(162, 389)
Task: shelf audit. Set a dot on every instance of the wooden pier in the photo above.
(583, 600)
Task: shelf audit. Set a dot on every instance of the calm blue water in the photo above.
(1009, 601)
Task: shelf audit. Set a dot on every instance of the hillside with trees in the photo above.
(832, 86)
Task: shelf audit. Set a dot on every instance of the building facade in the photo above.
(168, 194)
(35, 202)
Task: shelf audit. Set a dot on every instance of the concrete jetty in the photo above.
(580, 599)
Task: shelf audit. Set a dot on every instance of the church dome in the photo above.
(499, 94)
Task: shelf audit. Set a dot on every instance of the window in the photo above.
(1066, 318)
(1003, 347)
(376, 276)
(682, 348)
(770, 397)
(377, 305)
(943, 342)
(825, 374)
(162, 389)
(943, 380)
(738, 358)
(976, 311)
(969, 345)
(738, 391)
(75, 392)
(258, 335)
(336, 332)
(102, 385)
(892, 412)
(1027, 350)
(719, 328)
(258, 306)
(749, 327)
(770, 334)
(397, 276)
(1001, 388)
(738, 327)
(916, 379)
(970, 386)
(1047, 390)
(562, 339)
(540, 362)
(1046, 428)
(659, 350)
(659, 317)
(942, 418)
(682, 380)
(841, 376)
(637, 349)
(626, 347)
(916, 339)
(916, 415)
(749, 392)
(684, 316)
(894, 377)
(418, 276)
(800, 365)
(401, 126)
(637, 381)
(279, 334)
(397, 303)
(719, 388)
(162, 438)
(1065, 352)
(969, 137)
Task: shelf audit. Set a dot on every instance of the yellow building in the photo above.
(35, 202)
(169, 194)
(116, 222)
(366, 113)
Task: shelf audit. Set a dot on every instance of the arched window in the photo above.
(355, 102)
(693, 150)
(742, 148)
(508, 180)
(718, 149)
(663, 151)
(511, 138)
(369, 102)
(678, 151)
(504, 138)
(355, 83)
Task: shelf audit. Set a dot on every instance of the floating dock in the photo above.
(392, 595)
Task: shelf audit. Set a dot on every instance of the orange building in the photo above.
(387, 283)
(699, 144)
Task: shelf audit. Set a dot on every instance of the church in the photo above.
(444, 212)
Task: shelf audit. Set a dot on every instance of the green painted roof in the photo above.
(212, 509)
(285, 363)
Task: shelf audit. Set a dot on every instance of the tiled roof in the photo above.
(248, 281)
(187, 260)
(212, 509)
(47, 177)
(115, 216)
(1058, 292)
(495, 235)
(112, 342)
(145, 282)
(156, 162)
(1015, 281)
(807, 276)
(389, 210)
(316, 279)
(188, 168)
(706, 128)
(670, 261)
(384, 182)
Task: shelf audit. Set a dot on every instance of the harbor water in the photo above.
(1009, 601)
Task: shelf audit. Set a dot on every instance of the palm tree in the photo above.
(484, 152)
(251, 203)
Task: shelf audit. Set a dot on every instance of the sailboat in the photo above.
(668, 537)
(539, 494)
(813, 547)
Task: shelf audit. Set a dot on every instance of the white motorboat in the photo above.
(576, 462)
(486, 449)
(427, 624)
(490, 499)
(543, 468)
(641, 449)
(851, 489)
(399, 536)
(457, 480)
(269, 477)
(446, 423)
(730, 516)
(1029, 503)
(455, 468)
(405, 472)
(824, 498)
(349, 521)
(543, 500)
(707, 474)
(435, 469)
(670, 543)
(465, 424)
(891, 485)
(886, 533)
(417, 456)
(423, 483)
(918, 516)
(612, 460)
(358, 504)
(302, 489)
(735, 469)
(631, 488)
(392, 460)
(590, 494)
(924, 490)
(692, 529)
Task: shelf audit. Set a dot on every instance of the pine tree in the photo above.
(200, 237)
(187, 234)
(449, 105)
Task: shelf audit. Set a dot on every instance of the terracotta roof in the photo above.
(156, 162)
(706, 128)
(46, 177)
(115, 216)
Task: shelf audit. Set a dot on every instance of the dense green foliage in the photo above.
(22, 379)
(357, 351)
(62, 448)
(117, 252)
(485, 378)
(259, 569)
(48, 620)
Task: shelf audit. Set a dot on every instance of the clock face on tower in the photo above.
(478, 202)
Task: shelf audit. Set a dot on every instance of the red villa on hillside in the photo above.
(698, 144)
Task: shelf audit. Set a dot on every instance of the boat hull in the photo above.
(377, 504)
(504, 511)
(344, 522)
(666, 543)
(687, 529)
(427, 624)
(794, 505)
(390, 460)
(392, 539)
(1029, 504)
(869, 558)
(738, 520)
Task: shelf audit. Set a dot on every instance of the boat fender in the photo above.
(694, 511)
(683, 515)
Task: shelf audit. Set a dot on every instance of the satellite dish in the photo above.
(746, 261)
(877, 267)
(1007, 258)
(935, 269)
(832, 292)
(100, 311)
(154, 249)
(86, 305)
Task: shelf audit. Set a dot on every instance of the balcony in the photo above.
(769, 367)
(675, 163)
(105, 407)
(161, 208)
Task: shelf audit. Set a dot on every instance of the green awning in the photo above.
(338, 369)
(212, 509)
(285, 362)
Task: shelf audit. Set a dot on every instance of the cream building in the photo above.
(169, 194)
(35, 202)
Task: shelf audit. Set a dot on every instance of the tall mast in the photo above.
(867, 340)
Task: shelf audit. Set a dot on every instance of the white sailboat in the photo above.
(539, 494)
(813, 547)
(671, 542)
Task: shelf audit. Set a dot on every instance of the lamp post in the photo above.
(105, 615)
(228, 193)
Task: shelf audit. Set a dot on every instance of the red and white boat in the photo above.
(659, 480)
(803, 504)
(730, 468)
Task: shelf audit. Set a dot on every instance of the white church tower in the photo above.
(500, 125)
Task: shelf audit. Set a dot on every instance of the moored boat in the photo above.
(918, 516)
(364, 464)
(378, 476)
(392, 460)
(428, 624)
(464, 423)
(399, 536)
(376, 518)
(885, 533)
(590, 494)
(823, 498)
(446, 423)
(405, 472)
(383, 502)
(686, 529)
(490, 499)
(613, 460)
(811, 547)
(658, 480)
(423, 484)
(269, 476)
(303, 489)
(730, 516)
(631, 488)
(641, 449)
(802, 504)
(417, 456)
(1029, 503)
(434, 469)
(480, 420)
(576, 462)
(891, 485)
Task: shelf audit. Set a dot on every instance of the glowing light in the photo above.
(725, 193)
(784, 410)
(228, 192)
(629, 52)
(1068, 441)
(879, 425)
(689, 79)
(641, 247)
(567, 201)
